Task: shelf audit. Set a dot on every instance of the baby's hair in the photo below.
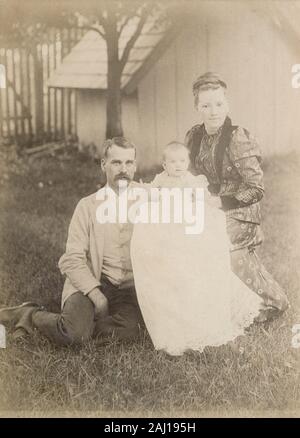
(174, 146)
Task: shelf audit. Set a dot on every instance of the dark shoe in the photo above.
(19, 316)
(267, 315)
(19, 333)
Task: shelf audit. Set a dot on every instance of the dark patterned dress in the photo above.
(240, 188)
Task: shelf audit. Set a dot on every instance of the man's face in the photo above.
(213, 108)
(120, 165)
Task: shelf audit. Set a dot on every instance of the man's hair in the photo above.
(207, 81)
(174, 146)
(121, 142)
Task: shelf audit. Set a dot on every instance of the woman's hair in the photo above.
(207, 81)
(174, 146)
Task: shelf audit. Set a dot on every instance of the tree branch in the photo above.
(95, 29)
(127, 19)
(131, 42)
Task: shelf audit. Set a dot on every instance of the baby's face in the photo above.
(176, 163)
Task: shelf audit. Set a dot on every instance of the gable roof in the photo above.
(85, 67)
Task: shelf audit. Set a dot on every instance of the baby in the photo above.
(175, 163)
(176, 174)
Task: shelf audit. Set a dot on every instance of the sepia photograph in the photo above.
(149, 210)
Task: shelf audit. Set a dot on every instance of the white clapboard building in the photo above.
(252, 45)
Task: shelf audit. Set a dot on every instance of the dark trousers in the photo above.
(77, 322)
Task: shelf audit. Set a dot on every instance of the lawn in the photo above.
(259, 376)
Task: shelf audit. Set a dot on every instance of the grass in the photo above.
(259, 377)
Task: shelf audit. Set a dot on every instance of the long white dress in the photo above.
(186, 290)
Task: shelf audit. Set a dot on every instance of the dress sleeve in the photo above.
(245, 154)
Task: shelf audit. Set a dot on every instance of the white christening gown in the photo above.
(186, 290)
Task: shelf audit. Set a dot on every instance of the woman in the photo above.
(230, 159)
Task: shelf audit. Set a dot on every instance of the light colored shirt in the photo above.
(116, 256)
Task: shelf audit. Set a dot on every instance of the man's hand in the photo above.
(100, 302)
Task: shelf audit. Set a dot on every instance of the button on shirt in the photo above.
(117, 266)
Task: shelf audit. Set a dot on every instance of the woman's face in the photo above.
(213, 108)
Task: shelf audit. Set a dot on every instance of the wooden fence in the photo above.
(30, 112)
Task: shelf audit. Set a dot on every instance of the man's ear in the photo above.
(164, 165)
(103, 164)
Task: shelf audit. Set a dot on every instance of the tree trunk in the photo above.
(113, 97)
(113, 108)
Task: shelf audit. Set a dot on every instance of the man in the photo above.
(98, 296)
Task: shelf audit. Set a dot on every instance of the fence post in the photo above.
(39, 95)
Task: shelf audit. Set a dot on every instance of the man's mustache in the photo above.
(122, 176)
